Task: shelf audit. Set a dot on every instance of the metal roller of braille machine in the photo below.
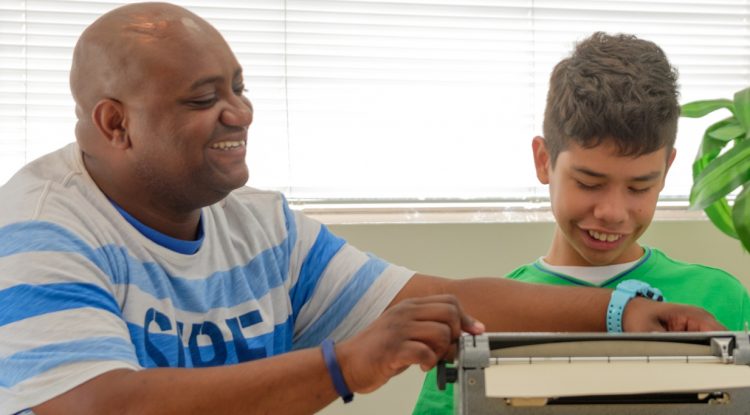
(598, 373)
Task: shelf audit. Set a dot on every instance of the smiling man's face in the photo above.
(188, 117)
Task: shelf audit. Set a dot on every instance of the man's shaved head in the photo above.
(162, 116)
(113, 53)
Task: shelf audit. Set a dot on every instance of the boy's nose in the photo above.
(611, 209)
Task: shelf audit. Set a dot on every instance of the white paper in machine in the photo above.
(598, 373)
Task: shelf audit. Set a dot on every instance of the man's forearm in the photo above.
(293, 383)
(507, 305)
(418, 331)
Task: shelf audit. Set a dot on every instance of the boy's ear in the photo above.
(670, 160)
(109, 118)
(541, 159)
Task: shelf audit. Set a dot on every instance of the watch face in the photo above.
(642, 289)
(634, 286)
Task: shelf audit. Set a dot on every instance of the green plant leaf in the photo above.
(728, 132)
(742, 109)
(711, 144)
(697, 109)
(722, 175)
(719, 212)
(701, 162)
(741, 216)
(720, 215)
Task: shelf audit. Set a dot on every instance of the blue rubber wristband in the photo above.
(620, 298)
(329, 356)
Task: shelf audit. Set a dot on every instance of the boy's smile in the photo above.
(602, 201)
(602, 240)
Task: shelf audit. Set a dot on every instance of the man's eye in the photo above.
(203, 102)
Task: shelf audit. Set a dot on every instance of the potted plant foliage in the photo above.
(723, 165)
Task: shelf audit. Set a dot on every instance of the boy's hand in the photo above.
(643, 315)
(418, 331)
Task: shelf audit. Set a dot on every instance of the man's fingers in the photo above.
(417, 331)
(471, 325)
(446, 308)
(414, 353)
(436, 336)
(447, 314)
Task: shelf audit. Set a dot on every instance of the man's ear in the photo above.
(109, 118)
(541, 159)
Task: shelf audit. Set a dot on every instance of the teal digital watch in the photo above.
(620, 297)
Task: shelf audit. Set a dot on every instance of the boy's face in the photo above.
(602, 202)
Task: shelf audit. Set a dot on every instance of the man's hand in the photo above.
(415, 331)
(647, 315)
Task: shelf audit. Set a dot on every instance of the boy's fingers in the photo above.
(697, 321)
(642, 315)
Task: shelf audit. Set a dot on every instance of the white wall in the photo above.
(463, 250)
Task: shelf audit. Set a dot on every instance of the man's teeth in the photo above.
(605, 237)
(226, 145)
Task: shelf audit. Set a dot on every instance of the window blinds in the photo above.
(386, 100)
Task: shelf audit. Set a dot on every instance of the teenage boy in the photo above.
(609, 129)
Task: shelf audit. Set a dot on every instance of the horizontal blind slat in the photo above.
(460, 83)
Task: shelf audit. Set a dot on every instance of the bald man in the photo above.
(138, 275)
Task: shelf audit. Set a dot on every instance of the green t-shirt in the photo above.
(713, 289)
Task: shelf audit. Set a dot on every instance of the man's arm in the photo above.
(273, 385)
(506, 305)
(416, 331)
(417, 328)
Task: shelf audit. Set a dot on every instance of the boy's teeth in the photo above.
(605, 237)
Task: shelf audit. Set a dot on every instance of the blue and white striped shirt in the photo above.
(83, 291)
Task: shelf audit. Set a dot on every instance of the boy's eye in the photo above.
(639, 190)
(585, 186)
(239, 89)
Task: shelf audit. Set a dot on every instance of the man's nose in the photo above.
(239, 113)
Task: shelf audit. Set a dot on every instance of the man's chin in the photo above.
(233, 181)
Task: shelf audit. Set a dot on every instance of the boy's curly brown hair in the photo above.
(612, 87)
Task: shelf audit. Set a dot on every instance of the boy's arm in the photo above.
(507, 305)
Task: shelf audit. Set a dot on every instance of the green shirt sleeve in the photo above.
(433, 401)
